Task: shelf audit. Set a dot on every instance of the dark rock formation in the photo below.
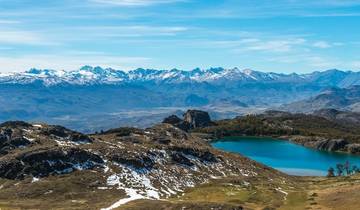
(192, 119)
(15, 124)
(331, 145)
(138, 161)
(197, 118)
(181, 159)
(47, 162)
(13, 143)
(353, 148)
(202, 154)
(172, 119)
(63, 133)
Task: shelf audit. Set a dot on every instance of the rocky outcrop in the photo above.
(172, 119)
(197, 118)
(63, 133)
(331, 144)
(12, 143)
(47, 162)
(353, 148)
(192, 119)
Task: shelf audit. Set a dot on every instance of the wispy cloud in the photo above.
(322, 44)
(275, 45)
(314, 61)
(3, 22)
(14, 36)
(278, 45)
(131, 31)
(326, 45)
(135, 2)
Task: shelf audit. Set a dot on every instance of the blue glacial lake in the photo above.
(285, 156)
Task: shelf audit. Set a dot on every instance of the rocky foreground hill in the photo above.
(162, 167)
(44, 166)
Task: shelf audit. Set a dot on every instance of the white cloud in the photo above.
(135, 2)
(70, 62)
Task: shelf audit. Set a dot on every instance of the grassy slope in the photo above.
(79, 190)
(307, 193)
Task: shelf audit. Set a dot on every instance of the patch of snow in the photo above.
(29, 139)
(48, 192)
(282, 191)
(35, 179)
(133, 195)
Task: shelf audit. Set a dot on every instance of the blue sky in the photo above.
(269, 35)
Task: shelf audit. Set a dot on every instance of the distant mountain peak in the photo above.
(98, 75)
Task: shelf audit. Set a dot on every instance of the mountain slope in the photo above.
(334, 98)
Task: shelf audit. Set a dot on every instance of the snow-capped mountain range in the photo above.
(91, 98)
(88, 75)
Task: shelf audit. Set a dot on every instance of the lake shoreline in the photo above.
(312, 142)
(274, 153)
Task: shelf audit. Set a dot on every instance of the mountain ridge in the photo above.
(88, 75)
